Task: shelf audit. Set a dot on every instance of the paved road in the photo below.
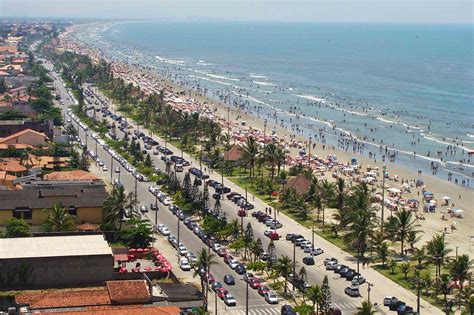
(164, 216)
(383, 286)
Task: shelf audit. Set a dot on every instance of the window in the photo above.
(23, 213)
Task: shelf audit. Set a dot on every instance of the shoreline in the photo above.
(439, 187)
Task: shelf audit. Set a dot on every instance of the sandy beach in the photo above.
(461, 197)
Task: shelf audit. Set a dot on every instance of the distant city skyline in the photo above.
(390, 11)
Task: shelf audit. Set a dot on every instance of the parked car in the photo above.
(271, 298)
(308, 260)
(287, 310)
(184, 264)
(388, 300)
(240, 269)
(229, 300)
(329, 259)
(229, 280)
(271, 234)
(331, 265)
(263, 289)
(352, 291)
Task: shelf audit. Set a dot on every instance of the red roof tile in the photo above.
(128, 291)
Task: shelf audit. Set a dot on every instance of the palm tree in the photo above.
(383, 250)
(340, 193)
(283, 269)
(314, 295)
(419, 255)
(437, 250)
(443, 287)
(366, 309)
(250, 154)
(58, 220)
(460, 268)
(270, 156)
(205, 259)
(405, 225)
(360, 219)
(115, 205)
(405, 269)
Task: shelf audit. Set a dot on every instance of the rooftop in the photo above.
(53, 246)
(71, 175)
(124, 310)
(53, 299)
(128, 291)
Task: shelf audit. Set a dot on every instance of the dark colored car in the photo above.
(308, 260)
(343, 271)
(287, 310)
(295, 237)
(394, 304)
(240, 269)
(288, 237)
(350, 274)
(229, 280)
(338, 268)
(256, 213)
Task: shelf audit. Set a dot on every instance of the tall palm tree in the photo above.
(115, 205)
(270, 156)
(58, 220)
(283, 269)
(437, 250)
(250, 154)
(460, 269)
(443, 287)
(205, 259)
(280, 158)
(366, 309)
(405, 225)
(419, 255)
(383, 251)
(314, 294)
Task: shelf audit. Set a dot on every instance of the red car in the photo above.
(263, 289)
(221, 292)
(222, 252)
(209, 278)
(228, 258)
(242, 213)
(273, 235)
(255, 283)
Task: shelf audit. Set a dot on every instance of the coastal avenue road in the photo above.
(257, 305)
(383, 286)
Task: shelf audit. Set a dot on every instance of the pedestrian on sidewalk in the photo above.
(270, 210)
(266, 210)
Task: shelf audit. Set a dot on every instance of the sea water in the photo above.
(396, 88)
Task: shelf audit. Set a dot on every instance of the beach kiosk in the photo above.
(446, 200)
(458, 213)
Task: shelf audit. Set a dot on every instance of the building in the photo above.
(55, 261)
(26, 136)
(234, 154)
(74, 175)
(299, 183)
(9, 127)
(83, 199)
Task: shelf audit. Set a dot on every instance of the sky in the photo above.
(390, 11)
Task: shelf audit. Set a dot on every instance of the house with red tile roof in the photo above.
(27, 136)
(299, 183)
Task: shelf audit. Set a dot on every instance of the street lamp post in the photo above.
(312, 241)
(384, 168)
(294, 264)
(179, 226)
(369, 286)
(156, 211)
(111, 167)
(215, 302)
(136, 190)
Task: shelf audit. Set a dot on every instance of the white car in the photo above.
(233, 263)
(182, 250)
(216, 247)
(104, 168)
(229, 300)
(184, 264)
(167, 201)
(271, 298)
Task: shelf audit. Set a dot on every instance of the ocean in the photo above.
(396, 88)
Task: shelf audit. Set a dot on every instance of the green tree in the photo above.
(17, 228)
(404, 226)
(138, 234)
(366, 309)
(283, 269)
(443, 287)
(250, 154)
(392, 264)
(325, 296)
(205, 259)
(58, 220)
(314, 294)
(383, 250)
(148, 163)
(405, 268)
(116, 204)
